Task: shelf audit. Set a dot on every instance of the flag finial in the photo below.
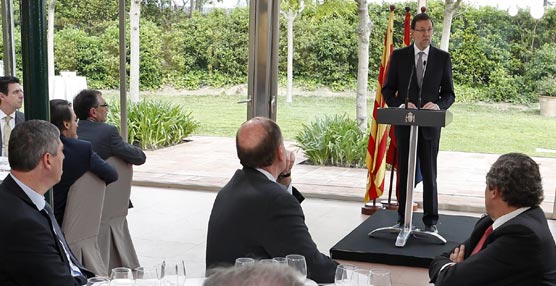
(407, 9)
(423, 9)
(392, 7)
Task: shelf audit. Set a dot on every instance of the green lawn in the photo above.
(480, 127)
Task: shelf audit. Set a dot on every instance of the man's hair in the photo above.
(5, 81)
(265, 151)
(84, 101)
(60, 112)
(29, 141)
(518, 179)
(254, 275)
(420, 17)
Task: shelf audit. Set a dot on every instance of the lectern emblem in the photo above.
(409, 117)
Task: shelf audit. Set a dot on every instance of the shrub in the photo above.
(547, 86)
(333, 140)
(155, 124)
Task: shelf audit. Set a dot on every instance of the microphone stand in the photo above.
(409, 86)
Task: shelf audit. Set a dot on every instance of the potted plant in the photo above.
(546, 88)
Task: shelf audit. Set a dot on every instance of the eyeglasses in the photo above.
(422, 31)
(103, 105)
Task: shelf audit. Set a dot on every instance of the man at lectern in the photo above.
(420, 76)
(512, 245)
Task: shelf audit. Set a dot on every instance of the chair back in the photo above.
(116, 245)
(116, 201)
(82, 221)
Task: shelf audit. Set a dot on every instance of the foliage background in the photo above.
(495, 57)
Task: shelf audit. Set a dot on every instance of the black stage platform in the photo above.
(418, 252)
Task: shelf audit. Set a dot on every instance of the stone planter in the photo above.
(548, 105)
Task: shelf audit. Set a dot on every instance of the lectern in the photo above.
(413, 118)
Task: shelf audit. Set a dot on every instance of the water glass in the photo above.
(98, 281)
(343, 274)
(360, 277)
(380, 277)
(146, 276)
(298, 263)
(121, 276)
(244, 261)
(280, 260)
(268, 261)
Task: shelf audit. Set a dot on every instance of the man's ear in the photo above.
(280, 153)
(66, 125)
(46, 160)
(92, 112)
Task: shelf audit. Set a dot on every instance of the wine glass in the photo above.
(280, 260)
(146, 276)
(244, 261)
(169, 274)
(121, 276)
(298, 263)
(343, 274)
(380, 277)
(98, 281)
(360, 277)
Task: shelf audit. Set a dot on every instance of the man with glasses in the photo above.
(420, 76)
(91, 109)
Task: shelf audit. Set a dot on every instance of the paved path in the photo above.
(207, 163)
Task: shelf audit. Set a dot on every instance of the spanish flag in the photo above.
(376, 148)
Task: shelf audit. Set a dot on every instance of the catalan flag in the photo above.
(376, 148)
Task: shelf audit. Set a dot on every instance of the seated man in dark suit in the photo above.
(91, 108)
(258, 214)
(512, 245)
(79, 156)
(33, 250)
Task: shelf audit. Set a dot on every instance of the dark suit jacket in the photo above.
(30, 253)
(107, 142)
(79, 158)
(19, 118)
(437, 82)
(255, 217)
(519, 252)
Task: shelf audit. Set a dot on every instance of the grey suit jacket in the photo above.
(107, 142)
(19, 118)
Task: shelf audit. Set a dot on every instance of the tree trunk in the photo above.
(50, 46)
(290, 16)
(134, 16)
(364, 31)
(449, 10)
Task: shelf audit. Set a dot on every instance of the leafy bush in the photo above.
(333, 140)
(547, 86)
(155, 124)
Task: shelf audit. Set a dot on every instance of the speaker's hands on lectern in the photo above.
(430, 105)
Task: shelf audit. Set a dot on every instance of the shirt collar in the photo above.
(507, 217)
(35, 197)
(416, 50)
(2, 114)
(267, 174)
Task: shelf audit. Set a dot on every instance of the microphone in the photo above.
(421, 89)
(409, 85)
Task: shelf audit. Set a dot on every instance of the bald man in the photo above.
(258, 213)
